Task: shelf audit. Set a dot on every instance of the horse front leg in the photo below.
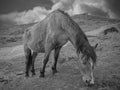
(46, 58)
(56, 55)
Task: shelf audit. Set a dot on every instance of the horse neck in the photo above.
(76, 36)
(74, 32)
(80, 41)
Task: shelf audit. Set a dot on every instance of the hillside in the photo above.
(90, 22)
(104, 31)
(12, 34)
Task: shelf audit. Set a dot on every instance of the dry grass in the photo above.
(107, 71)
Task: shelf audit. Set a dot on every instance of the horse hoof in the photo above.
(26, 75)
(90, 85)
(33, 74)
(42, 75)
(54, 72)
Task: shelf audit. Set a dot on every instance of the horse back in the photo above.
(48, 30)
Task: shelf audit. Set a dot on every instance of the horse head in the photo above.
(87, 63)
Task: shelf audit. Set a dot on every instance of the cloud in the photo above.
(107, 8)
(65, 5)
(55, 1)
(90, 9)
(25, 17)
(35, 15)
(113, 7)
(73, 6)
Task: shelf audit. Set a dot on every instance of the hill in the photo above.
(12, 34)
(104, 31)
(90, 22)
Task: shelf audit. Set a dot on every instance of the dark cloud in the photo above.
(34, 15)
(109, 7)
(93, 10)
(27, 11)
(7, 6)
(114, 7)
(105, 8)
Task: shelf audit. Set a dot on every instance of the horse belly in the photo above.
(37, 46)
(62, 39)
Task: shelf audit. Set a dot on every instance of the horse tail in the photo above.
(26, 36)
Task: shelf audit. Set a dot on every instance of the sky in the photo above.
(29, 11)
(7, 6)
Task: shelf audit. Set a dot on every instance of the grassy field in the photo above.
(107, 70)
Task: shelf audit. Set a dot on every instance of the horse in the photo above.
(51, 34)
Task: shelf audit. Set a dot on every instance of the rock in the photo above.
(111, 29)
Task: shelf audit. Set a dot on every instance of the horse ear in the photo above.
(95, 46)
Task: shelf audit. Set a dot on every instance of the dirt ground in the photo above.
(107, 70)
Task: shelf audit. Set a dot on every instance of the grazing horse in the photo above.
(51, 34)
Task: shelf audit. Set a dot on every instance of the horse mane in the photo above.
(88, 52)
(63, 12)
(83, 45)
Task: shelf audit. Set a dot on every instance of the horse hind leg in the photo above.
(28, 62)
(56, 55)
(34, 55)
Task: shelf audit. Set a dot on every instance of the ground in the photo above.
(107, 70)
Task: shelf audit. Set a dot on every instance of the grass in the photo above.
(107, 70)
